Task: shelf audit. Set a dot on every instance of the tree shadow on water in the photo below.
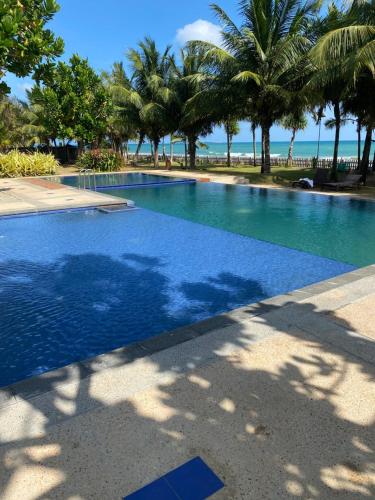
(290, 416)
(222, 293)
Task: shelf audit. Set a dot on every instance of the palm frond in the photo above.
(246, 76)
(338, 43)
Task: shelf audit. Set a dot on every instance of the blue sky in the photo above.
(103, 31)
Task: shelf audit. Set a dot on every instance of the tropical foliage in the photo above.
(106, 160)
(16, 164)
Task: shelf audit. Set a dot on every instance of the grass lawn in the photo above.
(281, 176)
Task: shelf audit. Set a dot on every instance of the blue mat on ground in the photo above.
(193, 480)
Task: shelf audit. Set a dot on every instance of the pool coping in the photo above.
(41, 384)
(94, 200)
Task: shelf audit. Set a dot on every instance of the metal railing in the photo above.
(87, 179)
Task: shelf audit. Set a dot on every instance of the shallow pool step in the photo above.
(119, 207)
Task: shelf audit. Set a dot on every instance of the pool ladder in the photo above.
(86, 179)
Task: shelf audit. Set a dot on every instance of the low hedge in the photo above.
(105, 160)
(16, 164)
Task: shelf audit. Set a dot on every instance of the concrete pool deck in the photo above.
(32, 195)
(277, 397)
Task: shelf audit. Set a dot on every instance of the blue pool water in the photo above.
(338, 228)
(78, 284)
(131, 179)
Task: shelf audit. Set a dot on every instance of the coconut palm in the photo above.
(294, 122)
(345, 58)
(193, 121)
(231, 128)
(153, 94)
(124, 123)
(264, 56)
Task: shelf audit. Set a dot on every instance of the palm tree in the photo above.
(264, 56)
(294, 122)
(193, 120)
(345, 58)
(231, 128)
(124, 123)
(152, 91)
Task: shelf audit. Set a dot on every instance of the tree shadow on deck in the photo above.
(291, 416)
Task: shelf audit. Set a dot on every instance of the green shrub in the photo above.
(16, 164)
(105, 160)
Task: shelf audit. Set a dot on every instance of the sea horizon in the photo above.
(302, 149)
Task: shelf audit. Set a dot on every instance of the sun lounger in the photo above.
(349, 182)
(321, 176)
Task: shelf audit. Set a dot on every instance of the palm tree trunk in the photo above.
(267, 150)
(139, 145)
(228, 145)
(171, 149)
(262, 158)
(254, 144)
(366, 153)
(156, 143)
(80, 147)
(186, 152)
(320, 129)
(192, 140)
(291, 145)
(359, 128)
(336, 109)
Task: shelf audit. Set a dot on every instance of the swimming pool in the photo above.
(77, 284)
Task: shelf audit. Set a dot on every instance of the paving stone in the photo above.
(115, 358)
(48, 381)
(6, 397)
(212, 323)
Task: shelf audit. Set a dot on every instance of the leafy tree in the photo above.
(45, 116)
(75, 102)
(12, 121)
(24, 40)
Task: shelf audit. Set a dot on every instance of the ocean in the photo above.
(302, 149)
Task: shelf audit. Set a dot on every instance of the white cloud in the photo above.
(199, 30)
